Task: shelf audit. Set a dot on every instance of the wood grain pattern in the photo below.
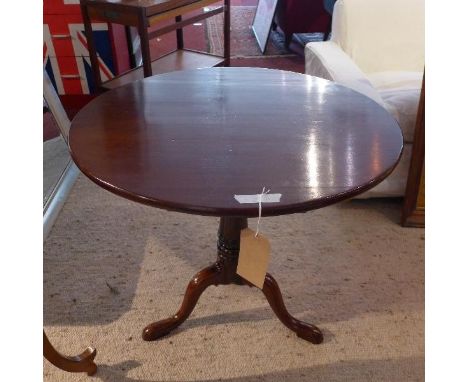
(189, 140)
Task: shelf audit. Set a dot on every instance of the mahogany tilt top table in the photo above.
(188, 141)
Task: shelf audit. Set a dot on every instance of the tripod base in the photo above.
(223, 272)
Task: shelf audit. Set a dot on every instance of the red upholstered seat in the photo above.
(302, 16)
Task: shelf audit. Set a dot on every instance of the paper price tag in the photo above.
(254, 256)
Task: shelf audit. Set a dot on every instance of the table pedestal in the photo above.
(223, 272)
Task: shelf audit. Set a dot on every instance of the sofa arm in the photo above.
(327, 60)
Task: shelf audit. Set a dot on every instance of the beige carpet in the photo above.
(243, 41)
(112, 266)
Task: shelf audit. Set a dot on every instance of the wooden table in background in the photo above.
(143, 14)
(413, 214)
(188, 141)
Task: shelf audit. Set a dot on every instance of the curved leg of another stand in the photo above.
(303, 330)
(201, 281)
(80, 363)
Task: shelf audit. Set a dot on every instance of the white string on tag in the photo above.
(258, 198)
(260, 209)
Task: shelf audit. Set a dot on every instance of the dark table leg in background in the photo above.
(227, 32)
(223, 272)
(91, 48)
(144, 43)
(179, 34)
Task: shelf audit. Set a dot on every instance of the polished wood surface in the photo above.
(178, 60)
(83, 362)
(150, 7)
(152, 20)
(190, 140)
(413, 214)
(223, 272)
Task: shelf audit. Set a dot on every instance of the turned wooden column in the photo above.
(228, 249)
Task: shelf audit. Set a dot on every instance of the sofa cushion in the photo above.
(327, 60)
(395, 184)
(381, 34)
(400, 92)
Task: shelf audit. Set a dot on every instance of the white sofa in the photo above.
(377, 48)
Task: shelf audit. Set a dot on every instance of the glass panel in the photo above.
(55, 158)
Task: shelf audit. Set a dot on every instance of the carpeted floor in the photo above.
(290, 63)
(243, 42)
(111, 266)
(208, 35)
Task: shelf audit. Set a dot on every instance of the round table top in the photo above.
(190, 140)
